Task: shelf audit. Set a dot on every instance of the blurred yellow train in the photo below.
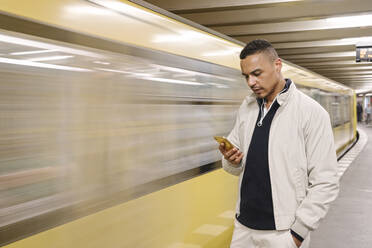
(108, 111)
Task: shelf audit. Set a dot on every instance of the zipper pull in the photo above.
(259, 124)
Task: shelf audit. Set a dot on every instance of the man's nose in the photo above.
(251, 81)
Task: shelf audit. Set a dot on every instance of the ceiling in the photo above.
(320, 35)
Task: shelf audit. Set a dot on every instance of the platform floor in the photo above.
(349, 221)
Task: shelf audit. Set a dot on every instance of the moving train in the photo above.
(108, 110)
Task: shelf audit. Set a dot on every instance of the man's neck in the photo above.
(269, 99)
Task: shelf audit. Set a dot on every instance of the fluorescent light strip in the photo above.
(43, 45)
(358, 20)
(41, 65)
(51, 58)
(33, 52)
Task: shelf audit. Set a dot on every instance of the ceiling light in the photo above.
(363, 90)
(358, 20)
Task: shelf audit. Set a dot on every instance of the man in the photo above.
(359, 112)
(284, 154)
(368, 113)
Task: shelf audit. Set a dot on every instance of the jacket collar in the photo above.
(282, 98)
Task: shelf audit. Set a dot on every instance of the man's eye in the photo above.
(257, 74)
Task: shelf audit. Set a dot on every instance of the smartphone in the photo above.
(220, 139)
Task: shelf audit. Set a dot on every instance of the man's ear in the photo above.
(278, 65)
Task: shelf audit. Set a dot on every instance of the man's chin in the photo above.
(260, 95)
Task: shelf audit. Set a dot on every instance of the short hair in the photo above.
(259, 46)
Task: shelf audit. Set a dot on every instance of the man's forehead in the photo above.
(248, 67)
(253, 62)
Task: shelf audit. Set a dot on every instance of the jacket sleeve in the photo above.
(233, 137)
(323, 181)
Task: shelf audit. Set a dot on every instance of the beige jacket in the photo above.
(302, 159)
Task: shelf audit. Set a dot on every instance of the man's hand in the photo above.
(297, 242)
(234, 156)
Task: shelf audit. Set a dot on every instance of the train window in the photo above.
(347, 109)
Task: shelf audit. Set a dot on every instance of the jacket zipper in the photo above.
(259, 124)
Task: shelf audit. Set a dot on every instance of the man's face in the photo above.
(262, 74)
